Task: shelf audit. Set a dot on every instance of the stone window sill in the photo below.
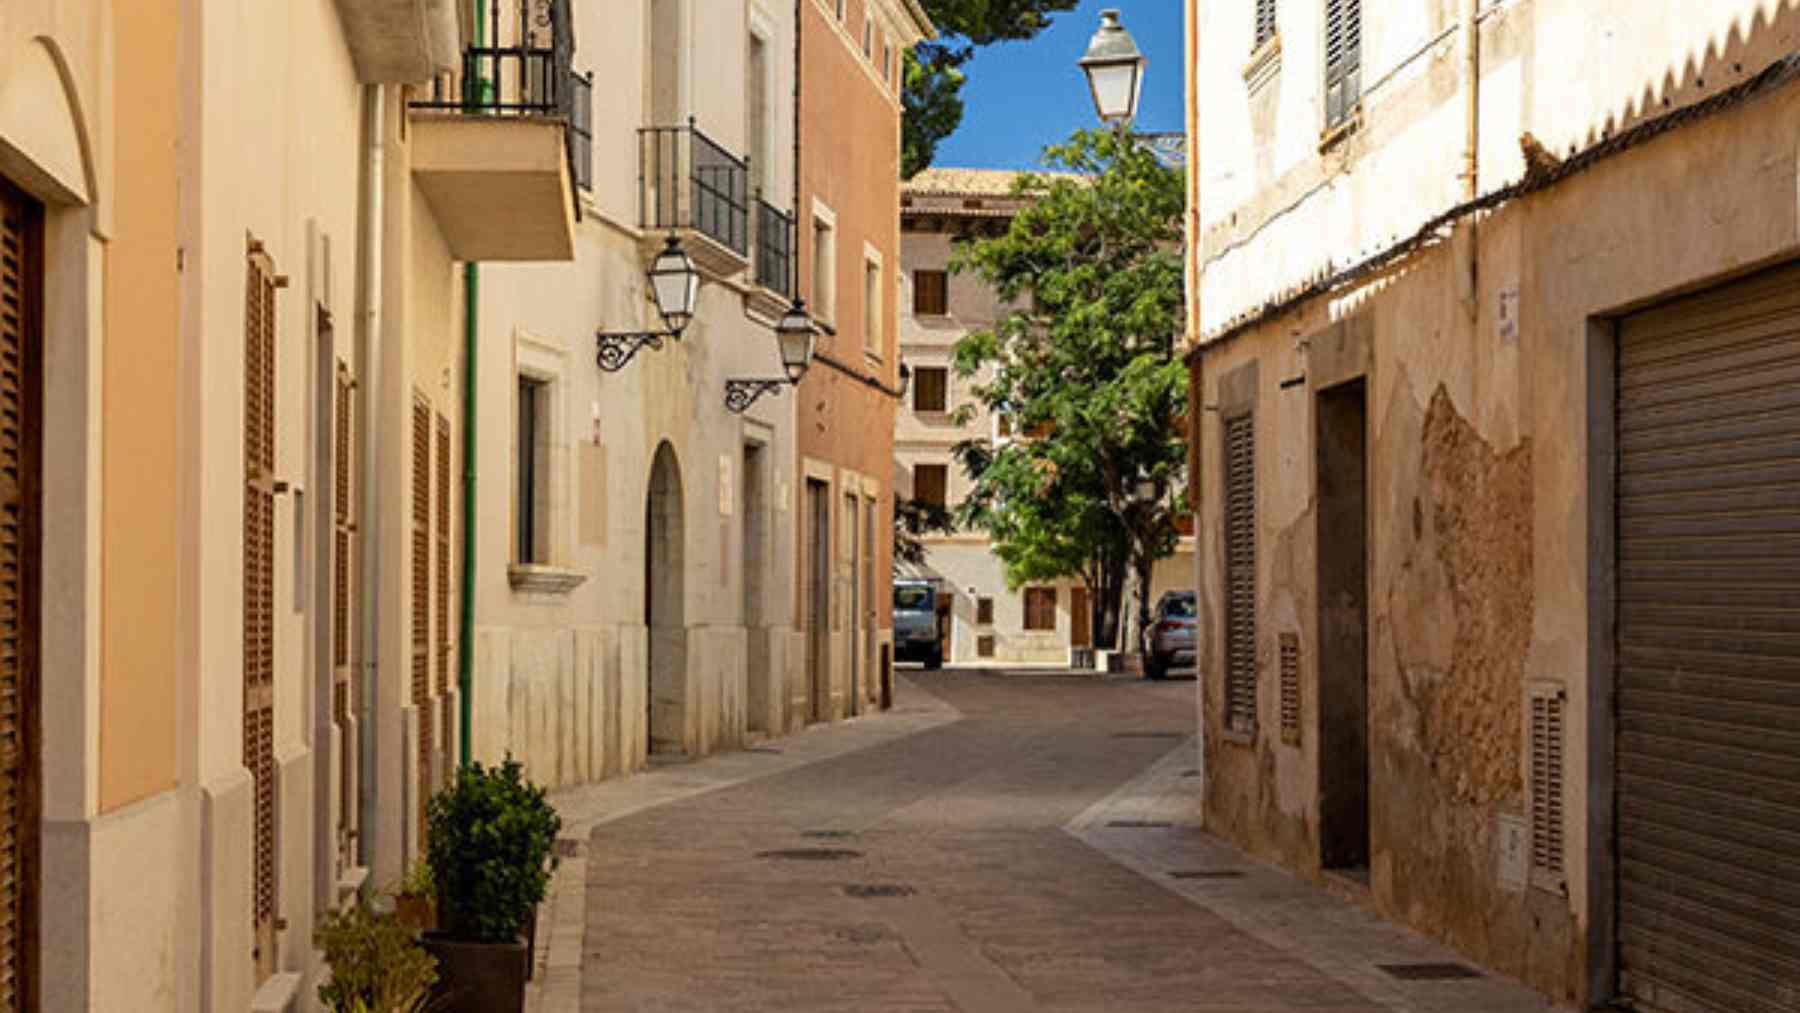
(1238, 736)
(1264, 65)
(1332, 137)
(540, 579)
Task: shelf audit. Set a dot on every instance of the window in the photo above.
(1343, 59)
(931, 293)
(757, 93)
(840, 9)
(1040, 608)
(1265, 24)
(887, 61)
(931, 389)
(824, 261)
(1240, 573)
(984, 611)
(874, 320)
(530, 509)
(869, 37)
(931, 484)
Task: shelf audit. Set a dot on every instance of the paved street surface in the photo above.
(1003, 842)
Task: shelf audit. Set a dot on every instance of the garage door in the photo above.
(1709, 650)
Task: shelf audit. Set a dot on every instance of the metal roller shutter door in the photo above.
(1709, 650)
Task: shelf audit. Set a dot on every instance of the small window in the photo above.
(931, 484)
(984, 646)
(840, 10)
(533, 500)
(887, 61)
(1040, 609)
(824, 260)
(869, 37)
(984, 611)
(875, 320)
(1343, 59)
(931, 389)
(1265, 24)
(931, 293)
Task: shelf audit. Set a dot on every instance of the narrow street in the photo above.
(1026, 842)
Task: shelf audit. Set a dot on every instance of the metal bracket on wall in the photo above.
(741, 394)
(616, 348)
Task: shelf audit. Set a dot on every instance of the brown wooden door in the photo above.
(345, 702)
(1081, 619)
(421, 601)
(259, 594)
(21, 355)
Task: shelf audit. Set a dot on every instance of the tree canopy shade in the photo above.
(934, 76)
(1085, 361)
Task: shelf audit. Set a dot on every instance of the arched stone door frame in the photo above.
(665, 605)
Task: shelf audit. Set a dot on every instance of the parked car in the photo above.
(1169, 640)
(916, 623)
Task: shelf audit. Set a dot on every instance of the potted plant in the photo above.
(491, 843)
(376, 966)
(415, 899)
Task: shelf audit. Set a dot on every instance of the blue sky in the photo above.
(1024, 95)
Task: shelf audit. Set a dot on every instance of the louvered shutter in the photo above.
(1290, 688)
(421, 596)
(1240, 573)
(443, 555)
(1265, 23)
(259, 593)
(21, 260)
(1343, 59)
(344, 697)
(1708, 650)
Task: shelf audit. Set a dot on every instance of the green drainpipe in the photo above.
(465, 658)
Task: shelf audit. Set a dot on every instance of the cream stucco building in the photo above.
(988, 621)
(1494, 323)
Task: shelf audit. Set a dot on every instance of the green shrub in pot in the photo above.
(376, 967)
(491, 848)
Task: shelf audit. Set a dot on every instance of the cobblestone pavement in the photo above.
(1015, 857)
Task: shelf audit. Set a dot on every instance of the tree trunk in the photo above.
(1142, 566)
(1110, 602)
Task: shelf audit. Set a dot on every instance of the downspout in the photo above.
(1197, 370)
(1471, 166)
(369, 385)
(465, 634)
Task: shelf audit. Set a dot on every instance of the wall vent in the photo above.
(1290, 688)
(1547, 702)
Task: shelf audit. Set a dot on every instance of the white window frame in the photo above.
(874, 316)
(824, 267)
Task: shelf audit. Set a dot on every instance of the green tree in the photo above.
(934, 75)
(1084, 365)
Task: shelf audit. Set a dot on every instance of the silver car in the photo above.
(1169, 640)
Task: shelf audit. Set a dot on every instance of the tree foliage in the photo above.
(934, 76)
(913, 520)
(1084, 361)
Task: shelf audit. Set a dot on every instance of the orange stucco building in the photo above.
(849, 241)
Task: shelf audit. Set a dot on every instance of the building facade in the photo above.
(1494, 343)
(849, 254)
(232, 249)
(1043, 624)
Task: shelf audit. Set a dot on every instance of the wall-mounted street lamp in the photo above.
(905, 380)
(675, 286)
(1115, 71)
(1146, 491)
(795, 336)
(1115, 74)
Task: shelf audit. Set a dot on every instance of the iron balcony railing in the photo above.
(685, 181)
(526, 70)
(774, 248)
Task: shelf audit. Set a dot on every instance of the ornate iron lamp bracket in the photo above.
(741, 394)
(616, 348)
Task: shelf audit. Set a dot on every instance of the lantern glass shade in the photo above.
(905, 379)
(1115, 71)
(1146, 490)
(796, 336)
(675, 285)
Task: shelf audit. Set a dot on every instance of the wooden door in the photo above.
(1081, 618)
(421, 604)
(259, 594)
(21, 356)
(346, 710)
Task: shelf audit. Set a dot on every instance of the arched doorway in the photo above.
(664, 607)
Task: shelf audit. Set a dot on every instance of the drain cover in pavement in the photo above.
(1190, 773)
(810, 854)
(1147, 735)
(1429, 972)
(1207, 874)
(829, 835)
(871, 890)
(768, 750)
(1139, 824)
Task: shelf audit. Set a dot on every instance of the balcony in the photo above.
(691, 185)
(498, 146)
(400, 41)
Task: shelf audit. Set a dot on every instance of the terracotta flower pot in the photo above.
(477, 977)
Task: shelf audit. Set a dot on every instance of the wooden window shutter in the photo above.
(930, 484)
(984, 646)
(931, 389)
(443, 555)
(21, 357)
(1290, 688)
(344, 698)
(1547, 747)
(931, 293)
(1265, 24)
(1040, 608)
(984, 611)
(259, 594)
(1343, 59)
(421, 596)
(1240, 573)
